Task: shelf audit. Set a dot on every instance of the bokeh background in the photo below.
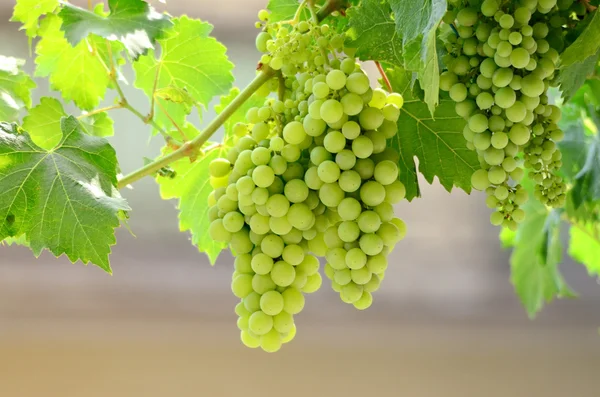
(445, 323)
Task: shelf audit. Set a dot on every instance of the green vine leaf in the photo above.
(284, 10)
(372, 31)
(28, 12)
(77, 72)
(64, 200)
(15, 88)
(191, 185)
(134, 23)
(43, 123)
(535, 259)
(572, 77)
(190, 59)
(176, 95)
(585, 46)
(417, 23)
(437, 142)
(584, 247)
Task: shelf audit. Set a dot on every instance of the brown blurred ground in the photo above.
(446, 322)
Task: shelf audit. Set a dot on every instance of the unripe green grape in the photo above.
(386, 172)
(348, 231)
(370, 118)
(478, 122)
(357, 83)
(467, 17)
(352, 104)
(336, 79)
(502, 77)
(480, 180)
(505, 97)
(372, 193)
(350, 181)
(489, 7)
(296, 191)
(277, 205)
(362, 147)
(458, 92)
(218, 232)
(349, 209)
(482, 141)
(496, 175)
(465, 31)
(314, 109)
(293, 300)
(504, 49)
(351, 130)
(474, 90)
(517, 112)
(493, 156)
(395, 98)
(447, 80)
(345, 159)
(519, 134)
(461, 65)
(334, 142)
(371, 244)
(272, 245)
(466, 108)
(313, 127)
(331, 194)
(328, 171)
(331, 111)
(360, 276)
(378, 140)
(499, 140)
(496, 123)
(503, 62)
(283, 274)
(496, 218)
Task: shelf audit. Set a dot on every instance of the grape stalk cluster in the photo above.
(311, 175)
(501, 63)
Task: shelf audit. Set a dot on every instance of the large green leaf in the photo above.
(190, 59)
(64, 200)
(133, 22)
(584, 247)
(535, 259)
(77, 72)
(585, 46)
(28, 12)
(15, 88)
(417, 22)
(372, 31)
(572, 77)
(437, 142)
(191, 185)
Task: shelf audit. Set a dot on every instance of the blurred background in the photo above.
(445, 323)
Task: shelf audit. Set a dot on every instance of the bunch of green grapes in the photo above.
(267, 215)
(355, 175)
(310, 176)
(499, 70)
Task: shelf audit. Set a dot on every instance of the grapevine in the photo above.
(492, 95)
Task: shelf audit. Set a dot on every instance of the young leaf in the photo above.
(28, 12)
(98, 124)
(585, 46)
(437, 142)
(64, 200)
(133, 22)
(191, 185)
(21, 240)
(417, 23)
(572, 77)
(372, 32)
(77, 72)
(284, 10)
(535, 259)
(190, 59)
(43, 123)
(15, 88)
(584, 247)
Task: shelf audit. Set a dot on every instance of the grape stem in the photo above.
(384, 76)
(192, 147)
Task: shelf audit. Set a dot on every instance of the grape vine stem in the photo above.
(192, 147)
(384, 76)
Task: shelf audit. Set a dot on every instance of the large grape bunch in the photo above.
(310, 175)
(501, 63)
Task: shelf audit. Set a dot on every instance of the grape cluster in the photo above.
(310, 176)
(500, 66)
